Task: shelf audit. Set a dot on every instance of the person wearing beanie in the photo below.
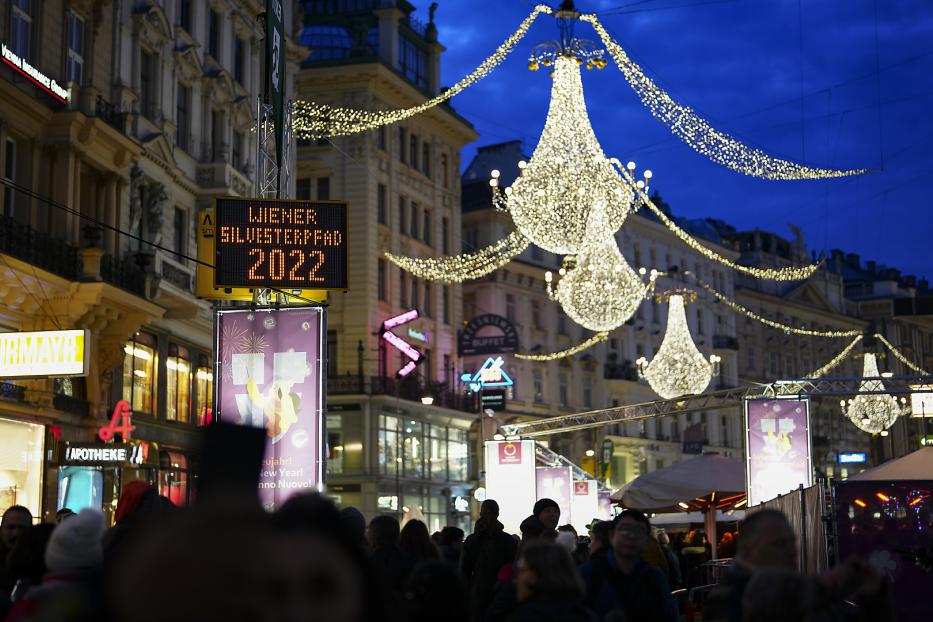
(548, 512)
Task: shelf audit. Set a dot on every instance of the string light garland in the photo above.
(553, 356)
(698, 133)
(678, 368)
(568, 174)
(875, 412)
(751, 314)
(316, 120)
(897, 353)
(836, 360)
(465, 267)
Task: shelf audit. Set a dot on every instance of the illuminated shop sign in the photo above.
(103, 454)
(487, 334)
(44, 353)
(418, 335)
(120, 421)
(265, 243)
(400, 344)
(490, 374)
(35, 76)
(852, 458)
(921, 400)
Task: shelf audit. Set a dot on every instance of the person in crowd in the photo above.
(436, 591)
(451, 544)
(27, 559)
(484, 553)
(655, 556)
(548, 512)
(599, 538)
(63, 514)
(354, 521)
(692, 556)
(777, 596)
(673, 564)
(549, 587)
(621, 582)
(139, 505)
(726, 547)
(416, 542)
(72, 588)
(394, 563)
(14, 523)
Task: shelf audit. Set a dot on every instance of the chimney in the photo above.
(854, 260)
(871, 266)
(910, 280)
(923, 285)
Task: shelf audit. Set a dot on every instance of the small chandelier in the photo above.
(678, 368)
(876, 412)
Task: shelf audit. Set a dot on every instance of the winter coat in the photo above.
(644, 594)
(552, 610)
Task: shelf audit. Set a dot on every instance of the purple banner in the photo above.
(271, 376)
(778, 434)
(555, 483)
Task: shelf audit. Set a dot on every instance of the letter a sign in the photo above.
(275, 65)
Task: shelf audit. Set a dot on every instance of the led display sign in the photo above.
(44, 353)
(852, 458)
(277, 243)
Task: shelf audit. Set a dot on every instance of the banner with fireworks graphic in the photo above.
(778, 442)
(272, 373)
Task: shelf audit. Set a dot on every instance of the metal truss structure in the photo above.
(716, 400)
(549, 457)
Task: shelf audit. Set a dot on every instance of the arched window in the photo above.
(326, 42)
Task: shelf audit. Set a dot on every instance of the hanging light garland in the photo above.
(568, 173)
(897, 353)
(751, 314)
(553, 356)
(875, 412)
(698, 133)
(316, 120)
(459, 268)
(836, 360)
(678, 368)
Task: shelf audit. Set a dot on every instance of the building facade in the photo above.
(393, 443)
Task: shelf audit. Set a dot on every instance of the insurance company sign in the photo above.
(35, 76)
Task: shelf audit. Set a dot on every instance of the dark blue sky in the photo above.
(744, 65)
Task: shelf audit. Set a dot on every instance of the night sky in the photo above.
(797, 78)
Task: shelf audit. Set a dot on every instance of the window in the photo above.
(412, 449)
(510, 307)
(9, 173)
(469, 305)
(448, 369)
(331, 353)
(213, 34)
(184, 14)
(181, 234)
(414, 293)
(427, 299)
(445, 236)
(470, 239)
(536, 314)
(238, 160)
(21, 28)
(413, 221)
(564, 389)
(381, 280)
(140, 362)
(413, 151)
(446, 302)
(75, 63)
(724, 431)
(412, 61)
(444, 170)
(438, 452)
(402, 288)
(381, 200)
(537, 379)
(335, 446)
(457, 454)
(381, 138)
(387, 444)
(323, 188)
(218, 130)
(178, 384)
(402, 137)
(182, 99)
(147, 84)
(303, 189)
(401, 214)
(239, 59)
(204, 391)
(751, 358)
(588, 391)
(699, 321)
(327, 42)
(775, 363)
(426, 158)
(561, 323)
(426, 229)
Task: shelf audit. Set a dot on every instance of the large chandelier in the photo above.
(875, 412)
(678, 368)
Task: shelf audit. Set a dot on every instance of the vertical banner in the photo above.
(275, 66)
(604, 505)
(271, 374)
(555, 483)
(510, 480)
(778, 443)
(584, 504)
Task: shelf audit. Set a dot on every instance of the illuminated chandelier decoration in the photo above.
(678, 368)
(875, 412)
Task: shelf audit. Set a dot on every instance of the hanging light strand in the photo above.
(836, 360)
(900, 356)
(466, 267)
(553, 356)
(316, 120)
(751, 314)
(698, 133)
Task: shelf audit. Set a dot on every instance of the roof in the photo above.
(917, 465)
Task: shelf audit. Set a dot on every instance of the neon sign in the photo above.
(34, 75)
(400, 344)
(490, 374)
(122, 414)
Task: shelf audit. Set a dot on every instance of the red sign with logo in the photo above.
(510, 453)
(581, 488)
(120, 422)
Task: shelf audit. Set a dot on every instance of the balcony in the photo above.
(725, 342)
(39, 249)
(123, 273)
(412, 389)
(110, 114)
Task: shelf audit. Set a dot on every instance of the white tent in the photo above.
(915, 465)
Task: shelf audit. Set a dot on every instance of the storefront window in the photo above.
(139, 373)
(436, 513)
(414, 449)
(388, 444)
(173, 477)
(458, 449)
(178, 384)
(438, 453)
(80, 487)
(204, 391)
(21, 449)
(334, 444)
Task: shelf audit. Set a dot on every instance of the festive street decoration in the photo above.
(678, 368)
(459, 268)
(553, 356)
(836, 360)
(874, 412)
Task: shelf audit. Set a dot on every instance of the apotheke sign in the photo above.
(52, 87)
(103, 454)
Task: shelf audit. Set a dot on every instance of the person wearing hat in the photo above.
(548, 512)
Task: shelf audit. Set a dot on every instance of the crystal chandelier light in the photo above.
(678, 368)
(876, 412)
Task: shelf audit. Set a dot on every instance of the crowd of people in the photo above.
(227, 559)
